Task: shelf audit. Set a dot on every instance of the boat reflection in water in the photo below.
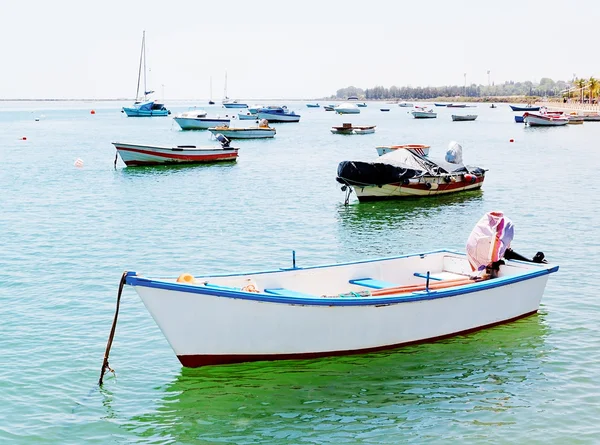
(490, 375)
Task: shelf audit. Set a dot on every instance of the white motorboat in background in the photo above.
(347, 108)
(197, 120)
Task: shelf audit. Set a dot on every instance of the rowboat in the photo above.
(422, 150)
(404, 174)
(384, 109)
(527, 108)
(313, 105)
(405, 104)
(541, 120)
(362, 105)
(464, 117)
(136, 155)
(248, 116)
(439, 105)
(257, 132)
(422, 113)
(347, 308)
(197, 120)
(348, 128)
(456, 106)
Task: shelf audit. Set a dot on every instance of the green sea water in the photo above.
(68, 233)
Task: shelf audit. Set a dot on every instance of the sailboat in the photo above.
(210, 101)
(143, 106)
(229, 103)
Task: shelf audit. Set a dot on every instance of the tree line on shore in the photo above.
(579, 89)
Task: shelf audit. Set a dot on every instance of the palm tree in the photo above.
(580, 83)
(593, 85)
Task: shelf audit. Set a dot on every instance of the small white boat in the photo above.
(348, 308)
(419, 149)
(257, 132)
(347, 108)
(405, 105)
(197, 120)
(136, 155)
(348, 128)
(540, 120)
(464, 117)
(422, 113)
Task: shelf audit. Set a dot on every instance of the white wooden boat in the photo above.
(347, 108)
(420, 149)
(464, 117)
(136, 155)
(406, 174)
(197, 120)
(422, 113)
(548, 120)
(338, 309)
(256, 132)
(348, 128)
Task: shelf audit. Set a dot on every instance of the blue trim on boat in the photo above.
(133, 280)
(371, 283)
(288, 293)
(422, 275)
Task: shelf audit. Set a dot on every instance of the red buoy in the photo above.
(512, 140)
(23, 138)
(93, 112)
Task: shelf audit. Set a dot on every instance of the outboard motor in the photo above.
(223, 140)
(454, 153)
(488, 241)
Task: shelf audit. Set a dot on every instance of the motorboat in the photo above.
(136, 155)
(247, 116)
(361, 105)
(591, 117)
(575, 120)
(464, 117)
(544, 120)
(420, 149)
(143, 105)
(348, 308)
(423, 113)
(328, 108)
(260, 131)
(525, 108)
(278, 114)
(313, 105)
(405, 104)
(233, 103)
(348, 128)
(197, 120)
(347, 108)
(439, 104)
(405, 173)
(456, 106)
(384, 109)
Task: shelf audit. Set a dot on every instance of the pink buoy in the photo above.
(78, 163)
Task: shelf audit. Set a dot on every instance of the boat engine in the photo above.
(223, 140)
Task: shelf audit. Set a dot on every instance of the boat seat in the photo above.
(372, 283)
(288, 293)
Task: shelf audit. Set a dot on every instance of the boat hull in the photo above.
(199, 123)
(272, 117)
(517, 108)
(544, 121)
(135, 155)
(135, 112)
(207, 326)
(519, 119)
(347, 110)
(424, 115)
(236, 105)
(468, 117)
(244, 133)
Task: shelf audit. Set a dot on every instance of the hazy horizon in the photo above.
(71, 50)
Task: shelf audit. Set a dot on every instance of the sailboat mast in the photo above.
(211, 88)
(137, 92)
(225, 90)
(144, 49)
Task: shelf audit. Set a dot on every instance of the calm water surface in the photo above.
(68, 233)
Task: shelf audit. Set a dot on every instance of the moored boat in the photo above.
(197, 120)
(575, 120)
(136, 155)
(247, 116)
(261, 131)
(361, 105)
(384, 109)
(313, 105)
(310, 312)
(404, 173)
(545, 120)
(519, 119)
(464, 117)
(278, 114)
(456, 106)
(439, 104)
(420, 149)
(525, 108)
(348, 128)
(405, 104)
(347, 108)
(423, 113)
(328, 108)
(591, 117)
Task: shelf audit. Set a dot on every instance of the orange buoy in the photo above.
(186, 278)
(93, 112)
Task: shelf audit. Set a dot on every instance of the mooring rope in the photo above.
(105, 365)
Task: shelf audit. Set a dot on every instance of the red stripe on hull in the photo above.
(183, 157)
(441, 187)
(196, 361)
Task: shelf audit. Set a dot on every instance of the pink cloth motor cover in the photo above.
(489, 239)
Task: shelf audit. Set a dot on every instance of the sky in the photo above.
(287, 49)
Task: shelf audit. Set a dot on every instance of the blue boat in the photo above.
(439, 105)
(278, 114)
(363, 105)
(146, 109)
(519, 119)
(313, 105)
(518, 108)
